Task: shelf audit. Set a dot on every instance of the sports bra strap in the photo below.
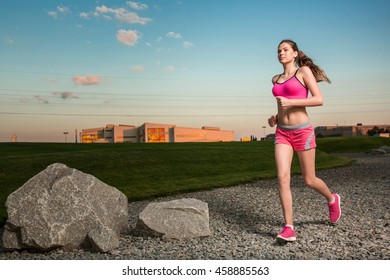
(290, 78)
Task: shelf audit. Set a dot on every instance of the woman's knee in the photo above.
(284, 179)
(311, 182)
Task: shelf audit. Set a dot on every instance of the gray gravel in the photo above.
(245, 219)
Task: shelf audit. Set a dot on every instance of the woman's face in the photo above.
(286, 54)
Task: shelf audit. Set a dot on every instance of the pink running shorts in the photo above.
(300, 137)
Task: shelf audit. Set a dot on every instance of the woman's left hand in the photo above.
(283, 101)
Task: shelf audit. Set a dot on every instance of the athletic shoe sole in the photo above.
(288, 239)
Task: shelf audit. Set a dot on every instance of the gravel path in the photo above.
(245, 219)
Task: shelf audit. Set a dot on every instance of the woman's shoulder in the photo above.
(304, 70)
(275, 78)
(304, 73)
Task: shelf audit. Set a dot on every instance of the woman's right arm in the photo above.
(273, 120)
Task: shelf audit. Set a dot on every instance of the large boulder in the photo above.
(65, 208)
(375, 152)
(386, 149)
(177, 219)
(383, 150)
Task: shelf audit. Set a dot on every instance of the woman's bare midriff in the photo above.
(292, 115)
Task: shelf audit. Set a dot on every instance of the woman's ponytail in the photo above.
(303, 60)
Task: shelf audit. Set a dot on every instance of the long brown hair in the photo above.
(303, 60)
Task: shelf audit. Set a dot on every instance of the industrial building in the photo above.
(109, 134)
(347, 131)
(154, 133)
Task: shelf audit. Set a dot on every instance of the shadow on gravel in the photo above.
(1, 239)
(315, 222)
(281, 243)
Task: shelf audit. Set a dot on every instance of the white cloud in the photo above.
(137, 5)
(174, 35)
(59, 10)
(102, 9)
(84, 15)
(87, 80)
(148, 44)
(63, 10)
(53, 14)
(122, 15)
(127, 37)
(169, 69)
(138, 68)
(187, 44)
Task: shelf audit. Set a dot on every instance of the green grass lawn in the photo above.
(351, 144)
(144, 171)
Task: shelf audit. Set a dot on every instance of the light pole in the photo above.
(65, 133)
(264, 127)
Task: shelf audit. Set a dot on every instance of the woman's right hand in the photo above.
(272, 121)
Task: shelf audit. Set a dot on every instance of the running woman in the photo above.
(294, 131)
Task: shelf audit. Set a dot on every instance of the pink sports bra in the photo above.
(292, 88)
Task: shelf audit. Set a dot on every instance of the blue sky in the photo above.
(67, 65)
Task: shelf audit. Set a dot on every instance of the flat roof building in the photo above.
(109, 134)
(347, 131)
(154, 133)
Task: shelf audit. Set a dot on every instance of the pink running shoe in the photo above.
(335, 209)
(287, 234)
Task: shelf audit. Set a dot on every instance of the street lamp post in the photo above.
(65, 133)
(264, 127)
